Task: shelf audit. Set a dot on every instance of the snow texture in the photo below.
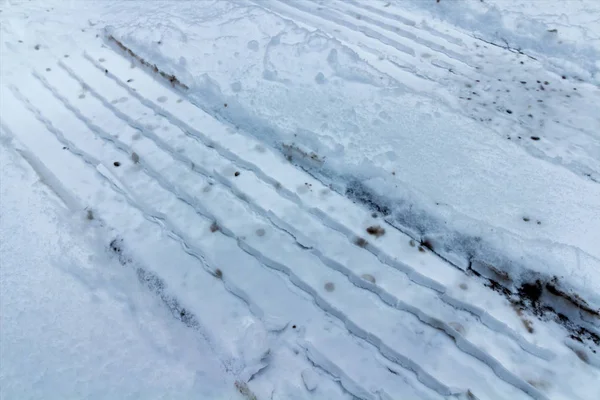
(473, 147)
(299, 200)
(75, 324)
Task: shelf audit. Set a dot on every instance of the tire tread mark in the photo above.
(416, 277)
(162, 221)
(352, 328)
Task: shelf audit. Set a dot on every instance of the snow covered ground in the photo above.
(75, 323)
(298, 199)
(432, 125)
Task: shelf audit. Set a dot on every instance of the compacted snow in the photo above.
(476, 148)
(75, 323)
(299, 199)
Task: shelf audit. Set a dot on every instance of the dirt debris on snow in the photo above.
(360, 242)
(172, 79)
(376, 231)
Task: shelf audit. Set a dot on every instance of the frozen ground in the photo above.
(297, 199)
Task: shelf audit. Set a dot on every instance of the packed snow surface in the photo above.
(300, 199)
(488, 153)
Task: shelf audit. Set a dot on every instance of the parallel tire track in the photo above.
(336, 226)
(157, 177)
(355, 278)
(353, 329)
(101, 172)
(444, 80)
(414, 35)
(408, 22)
(187, 199)
(260, 255)
(332, 222)
(161, 107)
(188, 195)
(463, 344)
(163, 221)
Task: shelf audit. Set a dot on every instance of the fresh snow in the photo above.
(299, 200)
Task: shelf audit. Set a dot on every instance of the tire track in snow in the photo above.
(428, 81)
(238, 196)
(146, 277)
(318, 209)
(163, 222)
(327, 220)
(405, 47)
(463, 344)
(118, 187)
(353, 329)
(278, 264)
(347, 6)
(136, 85)
(102, 171)
(414, 35)
(440, 86)
(373, 42)
(163, 218)
(331, 222)
(69, 199)
(403, 73)
(357, 280)
(408, 22)
(106, 102)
